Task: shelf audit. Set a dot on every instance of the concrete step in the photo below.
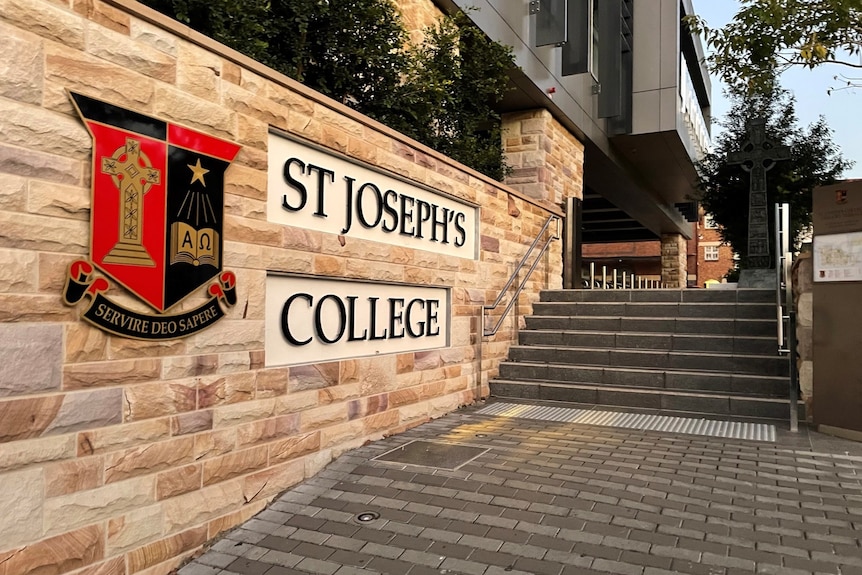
(663, 295)
(738, 345)
(654, 359)
(701, 311)
(727, 405)
(671, 380)
(716, 326)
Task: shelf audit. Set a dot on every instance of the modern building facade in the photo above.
(626, 80)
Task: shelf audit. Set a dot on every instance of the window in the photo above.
(710, 253)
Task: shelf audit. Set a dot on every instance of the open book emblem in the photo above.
(156, 222)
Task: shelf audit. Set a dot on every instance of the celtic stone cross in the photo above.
(758, 156)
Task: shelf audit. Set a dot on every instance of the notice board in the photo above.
(838, 307)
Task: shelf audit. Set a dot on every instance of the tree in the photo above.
(768, 36)
(448, 97)
(353, 51)
(442, 93)
(724, 187)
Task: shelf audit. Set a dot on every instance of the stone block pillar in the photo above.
(547, 161)
(803, 295)
(674, 268)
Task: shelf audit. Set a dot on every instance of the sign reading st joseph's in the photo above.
(156, 224)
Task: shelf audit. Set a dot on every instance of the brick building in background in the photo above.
(714, 259)
(708, 259)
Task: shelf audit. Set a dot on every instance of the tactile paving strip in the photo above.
(641, 421)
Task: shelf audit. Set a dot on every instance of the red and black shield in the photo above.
(158, 202)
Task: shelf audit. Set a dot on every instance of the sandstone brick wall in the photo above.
(803, 295)
(547, 161)
(673, 261)
(122, 456)
(418, 15)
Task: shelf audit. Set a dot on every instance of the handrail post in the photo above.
(514, 298)
(794, 374)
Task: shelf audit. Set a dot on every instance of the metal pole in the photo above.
(624, 280)
(592, 275)
(794, 375)
(572, 245)
(604, 277)
(615, 278)
(779, 276)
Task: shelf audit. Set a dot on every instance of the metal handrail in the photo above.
(514, 298)
(784, 304)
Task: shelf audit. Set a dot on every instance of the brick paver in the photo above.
(557, 499)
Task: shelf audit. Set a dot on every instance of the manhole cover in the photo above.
(431, 454)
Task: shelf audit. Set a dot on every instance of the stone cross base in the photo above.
(758, 278)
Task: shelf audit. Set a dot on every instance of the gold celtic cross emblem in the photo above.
(133, 174)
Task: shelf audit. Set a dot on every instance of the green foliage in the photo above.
(442, 93)
(815, 160)
(768, 36)
(227, 21)
(351, 51)
(448, 95)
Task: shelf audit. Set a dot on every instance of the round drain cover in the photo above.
(367, 516)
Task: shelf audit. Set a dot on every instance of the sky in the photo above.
(842, 109)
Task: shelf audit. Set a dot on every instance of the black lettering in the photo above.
(406, 215)
(295, 184)
(360, 208)
(351, 318)
(433, 306)
(318, 319)
(187, 241)
(285, 320)
(424, 213)
(373, 305)
(396, 318)
(321, 185)
(461, 238)
(349, 211)
(201, 245)
(440, 223)
(390, 201)
(409, 322)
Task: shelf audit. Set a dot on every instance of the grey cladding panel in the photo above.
(576, 50)
(550, 22)
(610, 57)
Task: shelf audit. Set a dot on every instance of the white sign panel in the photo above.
(838, 257)
(316, 190)
(311, 320)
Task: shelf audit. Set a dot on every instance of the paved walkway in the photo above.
(558, 498)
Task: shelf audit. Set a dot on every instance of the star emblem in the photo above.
(198, 173)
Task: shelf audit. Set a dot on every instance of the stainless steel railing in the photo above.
(604, 278)
(785, 311)
(489, 308)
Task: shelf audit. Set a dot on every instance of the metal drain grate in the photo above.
(432, 454)
(640, 421)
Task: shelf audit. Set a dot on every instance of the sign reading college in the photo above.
(317, 190)
(311, 320)
(156, 224)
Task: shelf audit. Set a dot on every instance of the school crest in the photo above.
(155, 225)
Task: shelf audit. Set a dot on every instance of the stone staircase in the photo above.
(683, 352)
